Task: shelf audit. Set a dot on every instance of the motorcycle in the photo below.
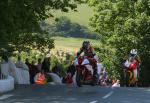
(129, 74)
(84, 72)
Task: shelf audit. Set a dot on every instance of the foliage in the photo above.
(54, 61)
(70, 44)
(20, 22)
(63, 63)
(125, 25)
(73, 29)
(81, 16)
(108, 59)
(65, 28)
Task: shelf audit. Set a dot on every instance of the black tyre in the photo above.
(130, 79)
(95, 80)
(79, 78)
(127, 79)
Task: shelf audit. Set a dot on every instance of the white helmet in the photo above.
(133, 52)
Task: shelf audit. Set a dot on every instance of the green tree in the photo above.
(124, 25)
(64, 27)
(63, 24)
(20, 22)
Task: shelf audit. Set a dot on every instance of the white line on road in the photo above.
(5, 96)
(94, 102)
(108, 95)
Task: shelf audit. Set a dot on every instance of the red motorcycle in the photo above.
(84, 71)
(129, 75)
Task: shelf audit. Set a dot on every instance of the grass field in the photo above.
(71, 44)
(81, 17)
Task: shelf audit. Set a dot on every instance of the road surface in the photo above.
(68, 94)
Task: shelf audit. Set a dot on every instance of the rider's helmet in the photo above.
(86, 45)
(133, 52)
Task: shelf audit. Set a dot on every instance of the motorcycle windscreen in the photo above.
(85, 62)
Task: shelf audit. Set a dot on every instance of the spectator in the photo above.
(34, 67)
(40, 78)
(71, 69)
(99, 67)
(5, 69)
(27, 62)
(32, 70)
(116, 84)
(19, 63)
(39, 65)
(68, 78)
(46, 65)
(23, 70)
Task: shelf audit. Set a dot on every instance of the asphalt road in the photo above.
(69, 94)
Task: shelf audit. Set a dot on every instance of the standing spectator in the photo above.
(99, 68)
(39, 65)
(19, 63)
(23, 70)
(32, 70)
(46, 65)
(27, 62)
(105, 74)
(5, 69)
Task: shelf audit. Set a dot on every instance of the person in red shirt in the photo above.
(40, 78)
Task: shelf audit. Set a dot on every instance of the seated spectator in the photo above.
(68, 78)
(40, 78)
(116, 84)
(71, 69)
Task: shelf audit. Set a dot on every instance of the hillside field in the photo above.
(71, 45)
(81, 16)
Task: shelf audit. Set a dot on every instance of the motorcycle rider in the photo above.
(133, 63)
(133, 56)
(89, 52)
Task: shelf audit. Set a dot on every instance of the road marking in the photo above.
(94, 102)
(108, 95)
(5, 96)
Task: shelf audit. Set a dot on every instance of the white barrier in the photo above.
(6, 84)
(55, 78)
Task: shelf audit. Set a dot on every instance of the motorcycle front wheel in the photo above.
(79, 77)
